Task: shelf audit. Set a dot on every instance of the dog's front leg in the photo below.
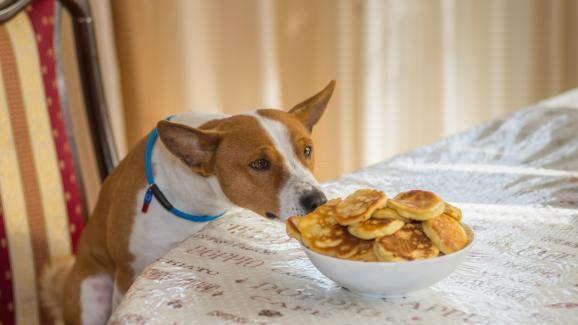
(95, 299)
(116, 296)
(123, 279)
(94, 294)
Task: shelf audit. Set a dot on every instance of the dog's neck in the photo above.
(186, 190)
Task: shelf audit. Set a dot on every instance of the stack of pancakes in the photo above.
(367, 226)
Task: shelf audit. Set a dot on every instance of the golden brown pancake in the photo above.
(407, 244)
(349, 245)
(417, 204)
(328, 208)
(359, 206)
(453, 212)
(373, 228)
(292, 229)
(322, 234)
(446, 233)
(365, 252)
(320, 229)
(388, 213)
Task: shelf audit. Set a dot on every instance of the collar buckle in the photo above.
(147, 200)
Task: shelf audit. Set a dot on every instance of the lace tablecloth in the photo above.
(516, 181)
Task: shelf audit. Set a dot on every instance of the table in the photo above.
(516, 180)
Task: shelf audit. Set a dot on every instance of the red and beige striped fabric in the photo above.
(40, 210)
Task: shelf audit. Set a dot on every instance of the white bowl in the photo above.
(389, 279)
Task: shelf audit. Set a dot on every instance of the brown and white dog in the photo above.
(204, 164)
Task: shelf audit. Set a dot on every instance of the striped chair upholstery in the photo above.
(40, 199)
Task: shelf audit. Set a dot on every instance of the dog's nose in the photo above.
(312, 199)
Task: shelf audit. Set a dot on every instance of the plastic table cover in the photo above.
(516, 181)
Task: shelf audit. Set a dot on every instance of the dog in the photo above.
(164, 191)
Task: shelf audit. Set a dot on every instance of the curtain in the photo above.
(408, 71)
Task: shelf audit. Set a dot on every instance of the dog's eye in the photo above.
(261, 164)
(307, 151)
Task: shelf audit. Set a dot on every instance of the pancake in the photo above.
(328, 209)
(359, 206)
(407, 244)
(446, 233)
(373, 228)
(349, 246)
(320, 230)
(322, 234)
(453, 212)
(388, 213)
(365, 252)
(321, 226)
(417, 204)
(292, 229)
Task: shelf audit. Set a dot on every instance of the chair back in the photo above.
(41, 199)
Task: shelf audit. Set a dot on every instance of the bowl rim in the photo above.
(466, 248)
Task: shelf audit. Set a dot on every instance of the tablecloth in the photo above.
(516, 180)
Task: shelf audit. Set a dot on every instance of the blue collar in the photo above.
(155, 191)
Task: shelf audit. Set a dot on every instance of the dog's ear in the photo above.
(193, 146)
(309, 111)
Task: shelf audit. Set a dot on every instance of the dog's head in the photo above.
(263, 160)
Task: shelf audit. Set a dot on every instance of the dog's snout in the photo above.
(312, 199)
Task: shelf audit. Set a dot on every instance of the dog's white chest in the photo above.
(156, 232)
